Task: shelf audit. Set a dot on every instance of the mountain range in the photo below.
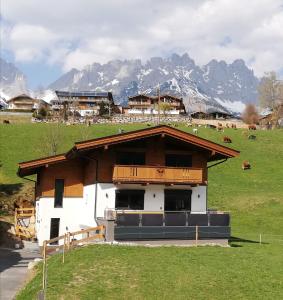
(216, 85)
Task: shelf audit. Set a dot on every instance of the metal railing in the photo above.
(171, 218)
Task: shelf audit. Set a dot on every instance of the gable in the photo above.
(215, 151)
(153, 131)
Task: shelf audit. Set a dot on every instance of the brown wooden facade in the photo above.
(97, 161)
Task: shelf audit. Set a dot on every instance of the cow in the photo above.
(252, 137)
(246, 165)
(252, 127)
(195, 131)
(234, 126)
(227, 139)
(227, 125)
(211, 126)
(6, 122)
(220, 128)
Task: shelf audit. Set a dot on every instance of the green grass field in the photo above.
(247, 270)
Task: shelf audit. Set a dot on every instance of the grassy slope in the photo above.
(250, 271)
(115, 272)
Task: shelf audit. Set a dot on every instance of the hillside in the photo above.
(247, 270)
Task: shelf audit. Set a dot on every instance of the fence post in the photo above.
(68, 240)
(196, 235)
(44, 267)
(260, 238)
(63, 258)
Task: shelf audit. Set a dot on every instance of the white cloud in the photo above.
(75, 33)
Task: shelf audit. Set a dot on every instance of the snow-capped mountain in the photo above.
(12, 80)
(218, 85)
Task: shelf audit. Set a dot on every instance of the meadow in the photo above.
(247, 269)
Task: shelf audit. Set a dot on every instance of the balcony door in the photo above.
(129, 199)
(177, 200)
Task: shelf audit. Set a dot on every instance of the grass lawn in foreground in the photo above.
(248, 271)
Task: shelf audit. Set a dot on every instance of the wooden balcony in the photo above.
(153, 174)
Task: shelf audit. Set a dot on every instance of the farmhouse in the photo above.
(152, 183)
(149, 105)
(26, 103)
(85, 102)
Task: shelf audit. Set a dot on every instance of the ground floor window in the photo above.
(54, 228)
(129, 199)
(177, 200)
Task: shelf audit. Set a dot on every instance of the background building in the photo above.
(85, 103)
(150, 105)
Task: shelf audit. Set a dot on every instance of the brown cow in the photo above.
(252, 127)
(234, 126)
(227, 139)
(6, 122)
(246, 165)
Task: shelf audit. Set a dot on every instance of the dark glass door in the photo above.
(178, 200)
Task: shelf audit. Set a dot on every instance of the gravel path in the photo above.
(13, 270)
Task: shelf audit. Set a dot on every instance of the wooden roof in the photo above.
(219, 151)
(22, 96)
(155, 97)
(28, 167)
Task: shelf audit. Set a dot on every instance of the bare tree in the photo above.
(270, 91)
(51, 140)
(271, 95)
(250, 114)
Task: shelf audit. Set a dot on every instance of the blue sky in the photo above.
(46, 40)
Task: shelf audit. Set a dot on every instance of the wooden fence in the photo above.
(69, 242)
(25, 222)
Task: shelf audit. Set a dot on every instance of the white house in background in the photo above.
(86, 103)
(154, 181)
(151, 105)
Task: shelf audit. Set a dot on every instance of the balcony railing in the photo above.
(181, 225)
(154, 174)
(171, 218)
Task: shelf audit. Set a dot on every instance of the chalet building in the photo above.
(149, 105)
(85, 103)
(26, 103)
(211, 115)
(152, 182)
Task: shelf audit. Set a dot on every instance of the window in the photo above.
(54, 229)
(129, 199)
(131, 158)
(177, 200)
(59, 192)
(178, 160)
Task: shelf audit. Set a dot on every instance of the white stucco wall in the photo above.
(198, 204)
(78, 213)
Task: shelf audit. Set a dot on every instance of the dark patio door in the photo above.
(177, 200)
